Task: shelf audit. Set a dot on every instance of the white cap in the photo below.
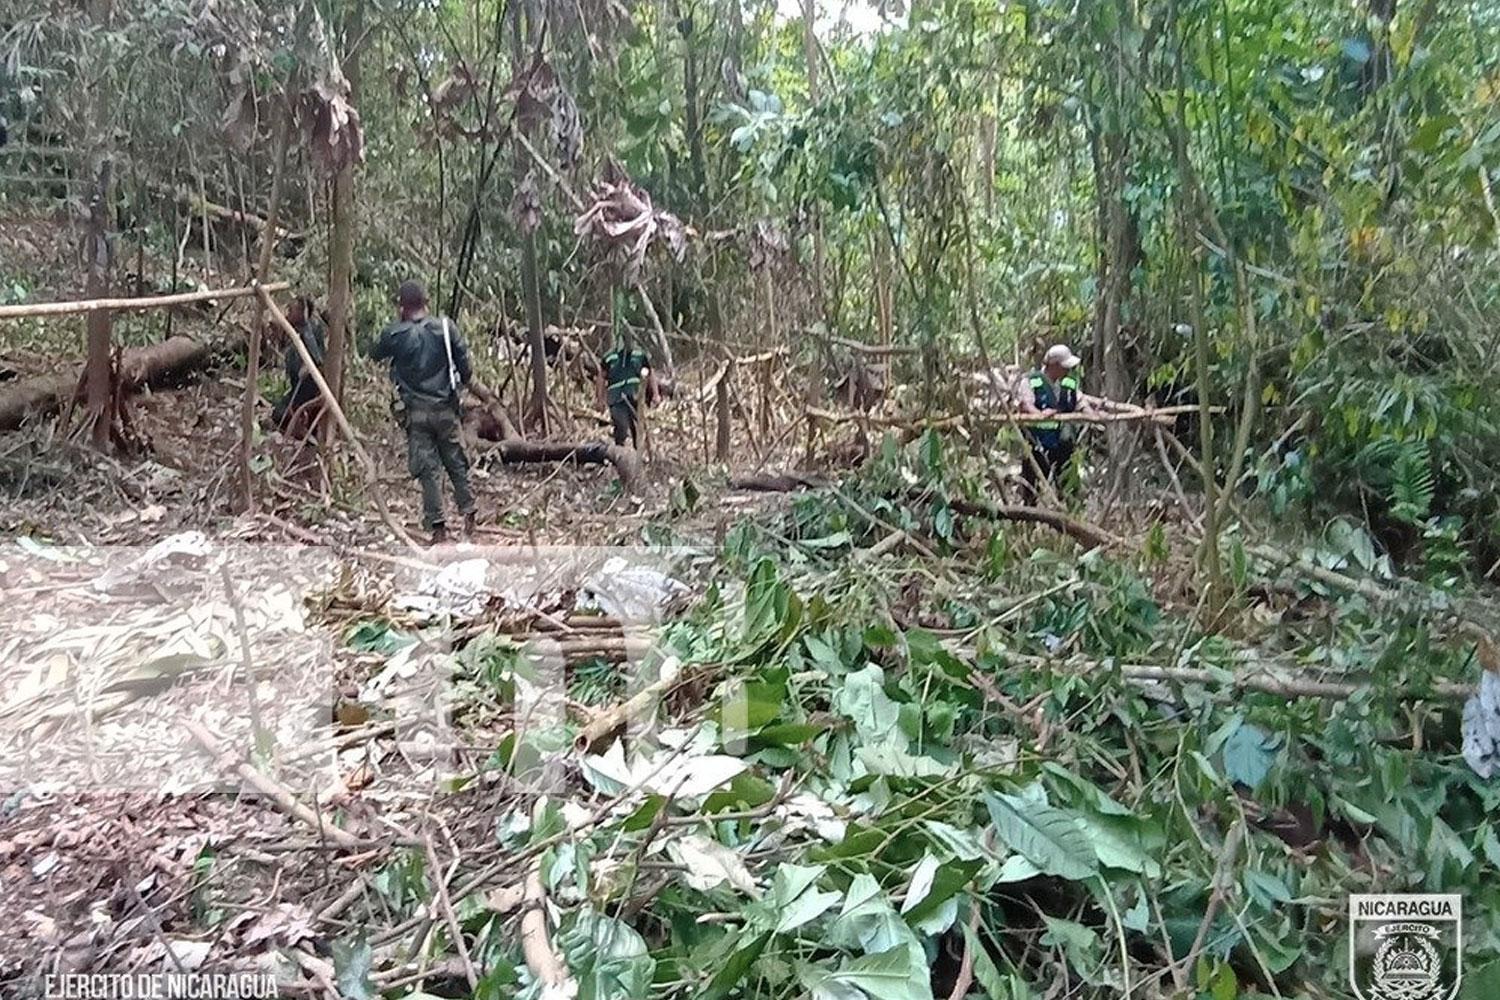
(1061, 354)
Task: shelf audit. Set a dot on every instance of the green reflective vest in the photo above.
(1063, 398)
(623, 371)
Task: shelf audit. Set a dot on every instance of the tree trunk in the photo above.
(262, 274)
(1121, 256)
(721, 408)
(536, 410)
(341, 237)
(99, 371)
(810, 47)
(692, 119)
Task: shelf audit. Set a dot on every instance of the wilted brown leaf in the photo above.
(331, 124)
(622, 219)
(242, 120)
(526, 204)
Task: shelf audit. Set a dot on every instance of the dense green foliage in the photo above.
(910, 759)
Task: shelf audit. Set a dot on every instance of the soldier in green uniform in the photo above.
(301, 389)
(1054, 389)
(430, 367)
(618, 383)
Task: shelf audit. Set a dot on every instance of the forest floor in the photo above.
(76, 867)
(104, 862)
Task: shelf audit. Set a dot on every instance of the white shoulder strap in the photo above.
(448, 346)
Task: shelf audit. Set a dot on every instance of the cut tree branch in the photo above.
(1089, 534)
(276, 792)
(145, 302)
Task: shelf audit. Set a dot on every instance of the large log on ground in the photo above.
(626, 461)
(784, 483)
(499, 437)
(154, 366)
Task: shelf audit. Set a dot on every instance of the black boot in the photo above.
(439, 535)
(469, 526)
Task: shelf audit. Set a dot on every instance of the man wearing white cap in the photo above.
(1054, 390)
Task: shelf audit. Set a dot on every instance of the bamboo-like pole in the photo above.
(145, 302)
(1164, 413)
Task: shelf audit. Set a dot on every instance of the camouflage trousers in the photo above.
(433, 446)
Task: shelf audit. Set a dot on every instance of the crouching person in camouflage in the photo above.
(430, 367)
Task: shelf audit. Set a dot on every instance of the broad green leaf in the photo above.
(795, 901)
(997, 984)
(1278, 943)
(896, 974)
(1085, 952)
(747, 707)
(1085, 792)
(607, 957)
(791, 881)
(864, 898)
(948, 880)
(1018, 868)
(791, 734)
(862, 698)
(1047, 837)
(351, 964)
(1248, 755)
(922, 877)
(1116, 844)
(965, 845)
(1138, 917)
(837, 540)
(707, 863)
(734, 970)
(889, 757)
(806, 908)
(869, 922)
(824, 655)
(1266, 888)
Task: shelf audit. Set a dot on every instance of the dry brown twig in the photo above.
(445, 906)
(546, 965)
(1223, 876)
(278, 794)
(609, 721)
(966, 965)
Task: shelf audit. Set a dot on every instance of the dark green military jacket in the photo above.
(419, 360)
(312, 339)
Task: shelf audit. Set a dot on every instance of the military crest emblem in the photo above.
(1406, 947)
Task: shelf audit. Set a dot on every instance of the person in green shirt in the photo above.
(621, 374)
(430, 368)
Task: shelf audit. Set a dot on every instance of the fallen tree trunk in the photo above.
(200, 206)
(611, 722)
(784, 483)
(1263, 678)
(626, 462)
(1163, 414)
(499, 437)
(1082, 531)
(140, 367)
